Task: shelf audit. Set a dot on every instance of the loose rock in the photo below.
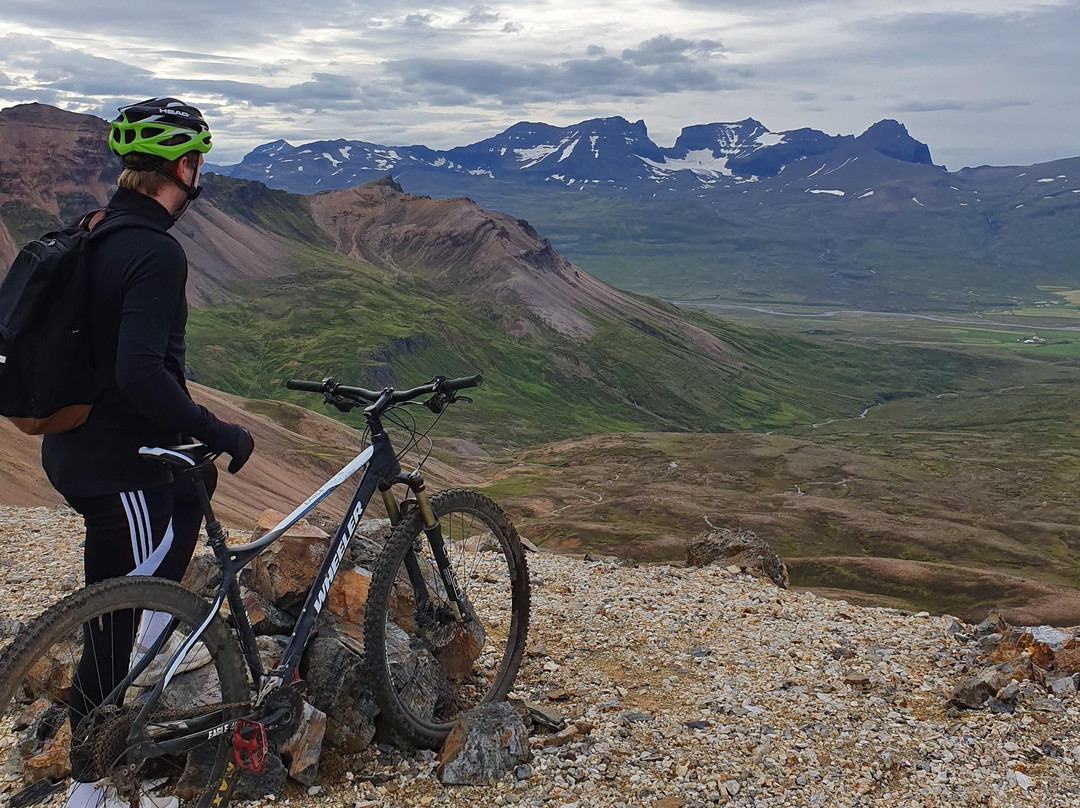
(485, 742)
(739, 548)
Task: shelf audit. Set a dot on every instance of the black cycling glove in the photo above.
(233, 440)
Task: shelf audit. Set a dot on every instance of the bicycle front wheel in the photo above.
(68, 704)
(426, 665)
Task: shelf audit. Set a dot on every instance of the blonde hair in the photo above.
(137, 177)
(145, 182)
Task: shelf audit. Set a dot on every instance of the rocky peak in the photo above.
(40, 114)
(891, 138)
(386, 185)
(720, 138)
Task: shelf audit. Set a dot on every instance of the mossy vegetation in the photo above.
(285, 214)
(26, 223)
(336, 317)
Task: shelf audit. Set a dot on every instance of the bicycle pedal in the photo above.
(250, 752)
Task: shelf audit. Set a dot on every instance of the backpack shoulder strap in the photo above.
(99, 222)
(88, 221)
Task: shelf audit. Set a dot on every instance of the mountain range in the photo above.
(734, 213)
(602, 154)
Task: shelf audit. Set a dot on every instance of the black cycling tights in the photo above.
(148, 532)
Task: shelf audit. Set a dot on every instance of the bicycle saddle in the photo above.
(185, 456)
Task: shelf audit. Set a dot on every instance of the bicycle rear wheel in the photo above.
(57, 671)
(426, 668)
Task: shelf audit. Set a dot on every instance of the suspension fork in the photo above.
(433, 532)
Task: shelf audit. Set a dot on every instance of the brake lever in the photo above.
(437, 403)
(343, 404)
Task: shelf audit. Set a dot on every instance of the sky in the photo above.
(980, 81)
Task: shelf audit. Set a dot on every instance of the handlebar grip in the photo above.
(450, 385)
(306, 386)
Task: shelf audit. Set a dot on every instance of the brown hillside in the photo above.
(222, 249)
(48, 155)
(289, 463)
(488, 259)
(58, 163)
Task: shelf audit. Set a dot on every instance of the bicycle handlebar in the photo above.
(330, 387)
(306, 386)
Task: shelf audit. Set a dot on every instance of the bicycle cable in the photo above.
(415, 436)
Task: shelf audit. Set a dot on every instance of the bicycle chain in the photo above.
(180, 715)
(109, 740)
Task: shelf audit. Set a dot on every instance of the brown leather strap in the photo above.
(91, 219)
(95, 219)
(60, 421)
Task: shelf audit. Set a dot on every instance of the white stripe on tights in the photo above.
(135, 554)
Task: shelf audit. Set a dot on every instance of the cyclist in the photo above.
(139, 519)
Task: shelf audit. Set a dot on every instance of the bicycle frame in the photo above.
(381, 470)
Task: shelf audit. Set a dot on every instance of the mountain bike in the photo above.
(444, 629)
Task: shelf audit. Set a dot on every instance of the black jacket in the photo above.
(138, 308)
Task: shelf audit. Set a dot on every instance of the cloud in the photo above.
(571, 79)
(62, 70)
(79, 78)
(666, 49)
(985, 75)
(215, 23)
(957, 105)
(662, 64)
(743, 6)
(999, 103)
(930, 105)
(323, 92)
(480, 15)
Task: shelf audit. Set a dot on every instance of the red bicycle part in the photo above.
(250, 752)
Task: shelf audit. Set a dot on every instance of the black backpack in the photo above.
(48, 381)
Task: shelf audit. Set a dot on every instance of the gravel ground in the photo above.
(698, 687)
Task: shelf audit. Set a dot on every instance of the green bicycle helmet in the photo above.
(144, 128)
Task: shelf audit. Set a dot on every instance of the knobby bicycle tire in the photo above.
(425, 669)
(38, 687)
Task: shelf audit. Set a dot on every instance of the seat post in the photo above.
(214, 532)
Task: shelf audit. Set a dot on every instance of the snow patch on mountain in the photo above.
(770, 139)
(701, 161)
(832, 191)
(569, 149)
(535, 154)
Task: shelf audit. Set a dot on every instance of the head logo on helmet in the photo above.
(162, 127)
